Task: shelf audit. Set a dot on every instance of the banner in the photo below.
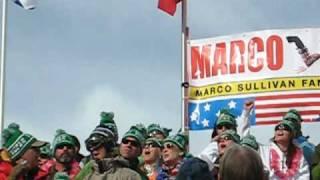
(277, 69)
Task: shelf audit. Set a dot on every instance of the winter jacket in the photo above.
(112, 169)
(307, 148)
(274, 161)
(5, 169)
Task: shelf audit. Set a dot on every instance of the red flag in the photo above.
(169, 6)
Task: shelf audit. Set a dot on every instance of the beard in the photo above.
(65, 158)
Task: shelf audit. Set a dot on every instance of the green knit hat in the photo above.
(62, 138)
(232, 134)
(250, 141)
(142, 129)
(107, 121)
(181, 140)
(289, 124)
(17, 142)
(155, 140)
(136, 134)
(45, 150)
(292, 115)
(61, 176)
(155, 128)
(226, 117)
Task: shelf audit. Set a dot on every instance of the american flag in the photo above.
(268, 109)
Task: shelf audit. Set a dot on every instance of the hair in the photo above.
(292, 148)
(239, 156)
(194, 169)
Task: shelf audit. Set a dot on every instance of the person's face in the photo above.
(223, 127)
(99, 153)
(31, 157)
(64, 153)
(171, 154)
(43, 159)
(130, 148)
(224, 142)
(151, 152)
(282, 133)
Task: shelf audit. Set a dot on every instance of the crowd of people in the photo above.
(154, 153)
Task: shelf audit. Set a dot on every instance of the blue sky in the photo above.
(69, 60)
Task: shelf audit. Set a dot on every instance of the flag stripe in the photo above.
(277, 118)
(299, 104)
(270, 109)
(277, 121)
(286, 96)
(282, 113)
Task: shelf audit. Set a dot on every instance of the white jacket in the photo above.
(210, 152)
(302, 172)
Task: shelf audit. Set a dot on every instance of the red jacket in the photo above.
(5, 169)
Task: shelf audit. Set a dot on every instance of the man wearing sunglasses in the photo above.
(131, 148)
(152, 157)
(63, 150)
(173, 153)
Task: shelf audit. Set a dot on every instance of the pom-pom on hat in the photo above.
(226, 117)
(107, 124)
(17, 142)
(62, 138)
(292, 115)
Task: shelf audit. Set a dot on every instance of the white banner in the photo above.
(278, 69)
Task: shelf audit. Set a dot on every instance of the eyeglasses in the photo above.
(152, 145)
(282, 127)
(227, 126)
(132, 142)
(168, 146)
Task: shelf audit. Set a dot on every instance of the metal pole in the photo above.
(184, 36)
(2, 63)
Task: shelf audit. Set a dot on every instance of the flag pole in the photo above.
(2, 63)
(184, 90)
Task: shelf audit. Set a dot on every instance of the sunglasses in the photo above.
(68, 146)
(152, 145)
(227, 126)
(132, 142)
(224, 138)
(282, 127)
(168, 146)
